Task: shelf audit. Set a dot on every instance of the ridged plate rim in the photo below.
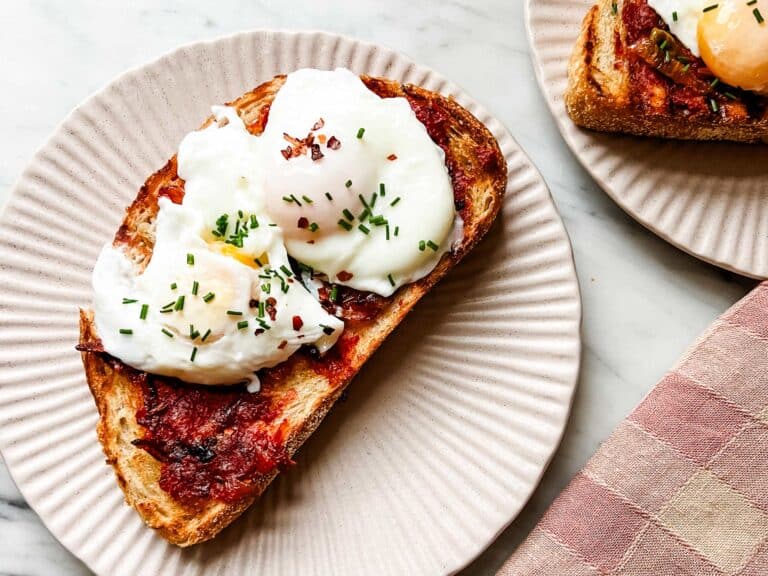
(38, 396)
(722, 226)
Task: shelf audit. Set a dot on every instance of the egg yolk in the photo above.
(733, 39)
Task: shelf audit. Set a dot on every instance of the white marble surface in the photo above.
(644, 301)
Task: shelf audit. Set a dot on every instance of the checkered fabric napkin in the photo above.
(681, 486)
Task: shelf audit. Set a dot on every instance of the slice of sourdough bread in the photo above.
(299, 392)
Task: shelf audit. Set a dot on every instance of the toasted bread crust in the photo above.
(118, 397)
(600, 91)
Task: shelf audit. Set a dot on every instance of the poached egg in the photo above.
(730, 36)
(347, 184)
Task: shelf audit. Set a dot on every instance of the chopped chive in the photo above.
(144, 310)
(195, 287)
(240, 214)
(382, 189)
(191, 259)
(373, 200)
(713, 105)
(731, 95)
(272, 224)
(313, 227)
(666, 56)
(614, 8)
(194, 353)
(674, 15)
(348, 215)
(205, 336)
(284, 287)
(391, 280)
(328, 195)
(306, 199)
(242, 324)
(261, 309)
(129, 301)
(387, 231)
(254, 221)
(363, 201)
(208, 297)
(714, 82)
(192, 332)
(348, 183)
(234, 313)
(395, 201)
(334, 293)
(179, 303)
(346, 225)
(758, 16)
(287, 199)
(170, 305)
(127, 331)
(422, 245)
(364, 214)
(167, 333)
(751, 2)
(397, 230)
(258, 262)
(174, 286)
(263, 324)
(432, 245)
(216, 233)
(293, 197)
(327, 330)
(378, 220)
(687, 67)
(363, 228)
(663, 45)
(360, 133)
(710, 8)
(287, 271)
(267, 288)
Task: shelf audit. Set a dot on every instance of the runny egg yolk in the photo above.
(733, 40)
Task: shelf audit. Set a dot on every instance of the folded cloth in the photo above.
(681, 486)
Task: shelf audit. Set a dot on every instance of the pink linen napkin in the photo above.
(681, 486)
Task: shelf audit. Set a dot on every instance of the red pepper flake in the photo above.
(271, 308)
(392, 157)
(297, 323)
(319, 124)
(334, 143)
(294, 142)
(344, 275)
(258, 331)
(282, 344)
(253, 303)
(316, 154)
(287, 153)
(302, 223)
(310, 241)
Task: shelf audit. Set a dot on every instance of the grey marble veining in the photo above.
(644, 301)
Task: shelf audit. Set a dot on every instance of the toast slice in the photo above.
(191, 459)
(622, 77)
